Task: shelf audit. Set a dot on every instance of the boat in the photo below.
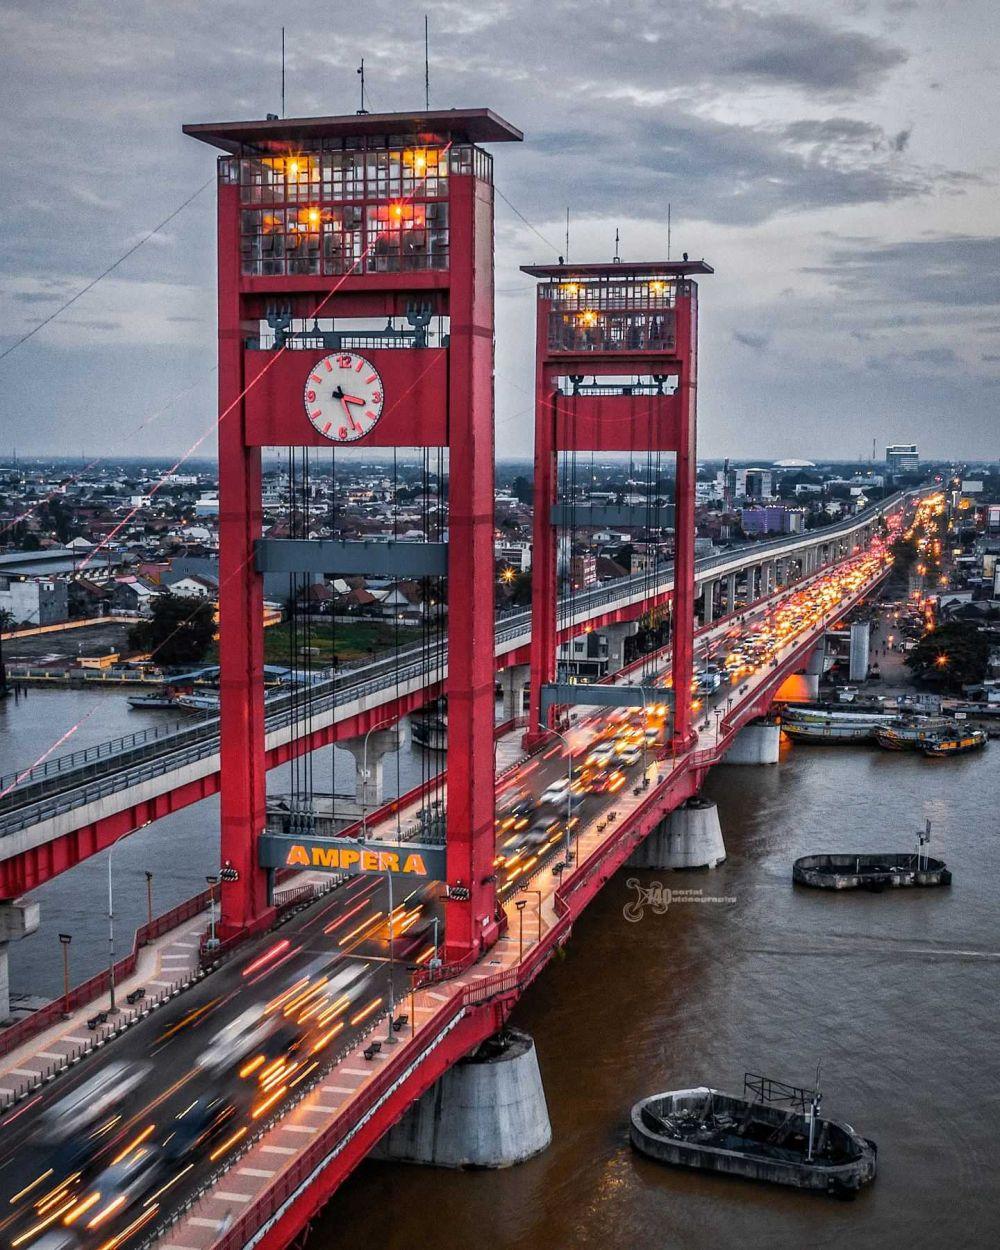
(821, 725)
(955, 744)
(773, 1133)
(430, 729)
(879, 871)
(910, 735)
(153, 702)
(198, 702)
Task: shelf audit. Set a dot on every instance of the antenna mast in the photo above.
(617, 241)
(361, 71)
(282, 71)
(567, 234)
(427, 66)
(668, 231)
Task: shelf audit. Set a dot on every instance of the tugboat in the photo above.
(773, 1133)
(955, 744)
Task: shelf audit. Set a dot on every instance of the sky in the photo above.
(835, 160)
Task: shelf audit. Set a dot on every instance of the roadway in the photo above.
(302, 1015)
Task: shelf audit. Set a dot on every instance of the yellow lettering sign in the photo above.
(297, 855)
(415, 863)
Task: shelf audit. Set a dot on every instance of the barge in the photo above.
(816, 725)
(881, 871)
(773, 1133)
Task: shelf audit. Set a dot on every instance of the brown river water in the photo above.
(894, 994)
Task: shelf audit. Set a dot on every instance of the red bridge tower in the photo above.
(616, 369)
(329, 229)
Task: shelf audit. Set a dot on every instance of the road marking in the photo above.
(174, 1246)
(186, 945)
(161, 983)
(264, 1173)
(49, 1054)
(199, 1221)
(346, 1071)
(299, 1128)
(278, 1150)
(323, 1110)
(22, 1072)
(442, 998)
(337, 1089)
(77, 1041)
(230, 1196)
(6, 1089)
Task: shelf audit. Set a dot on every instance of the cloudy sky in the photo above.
(837, 162)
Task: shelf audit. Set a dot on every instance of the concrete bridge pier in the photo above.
(512, 683)
(616, 635)
(18, 919)
(756, 743)
(731, 593)
(857, 664)
(690, 837)
(370, 761)
(708, 602)
(488, 1111)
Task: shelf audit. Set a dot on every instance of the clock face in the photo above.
(344, 397)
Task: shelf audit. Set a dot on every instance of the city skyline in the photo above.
(808, 152)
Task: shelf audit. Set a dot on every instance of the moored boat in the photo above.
(821, 725)
(910, 735)
(789, 1144)
(955, 744)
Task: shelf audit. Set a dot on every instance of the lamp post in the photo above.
(364, 781)
(569, 787)
(390, 1037)
(212, 881)
(64, 940)
(520, 904)
(149, 899)
(112, 1005)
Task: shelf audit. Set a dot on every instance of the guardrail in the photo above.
(88, 991)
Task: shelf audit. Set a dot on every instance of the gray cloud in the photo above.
(957, 270)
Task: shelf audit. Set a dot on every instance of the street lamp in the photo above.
(112, 1005)
(390, 1037)
(212, 882)
(65, 939)
(520, 904)
(149, 899)
(364, 778)
(569, 787)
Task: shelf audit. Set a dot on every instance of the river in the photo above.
(895, 995)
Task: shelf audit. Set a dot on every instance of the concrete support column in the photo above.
(755, 744)
(512, 683)
(616, 635)
(708, 602)
(731, 593)
(370, 762)
(488, 1111)
(690, 837)
(860, 648)
(18, 919)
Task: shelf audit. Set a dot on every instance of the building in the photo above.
(902, 458)
(773, 519)
(513, 553)
(758, 484)
(34, 600)
(583, 571)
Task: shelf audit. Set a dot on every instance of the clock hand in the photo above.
(346, 401)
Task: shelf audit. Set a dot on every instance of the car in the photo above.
(555, 792)
(78, 1109)
(235, 1040)
(601, 754)
(123, 1182)
(199, 1126)
(630, 757)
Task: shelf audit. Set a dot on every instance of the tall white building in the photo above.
(902, 457)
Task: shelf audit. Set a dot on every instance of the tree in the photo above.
(179, 632)
(952, 656)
